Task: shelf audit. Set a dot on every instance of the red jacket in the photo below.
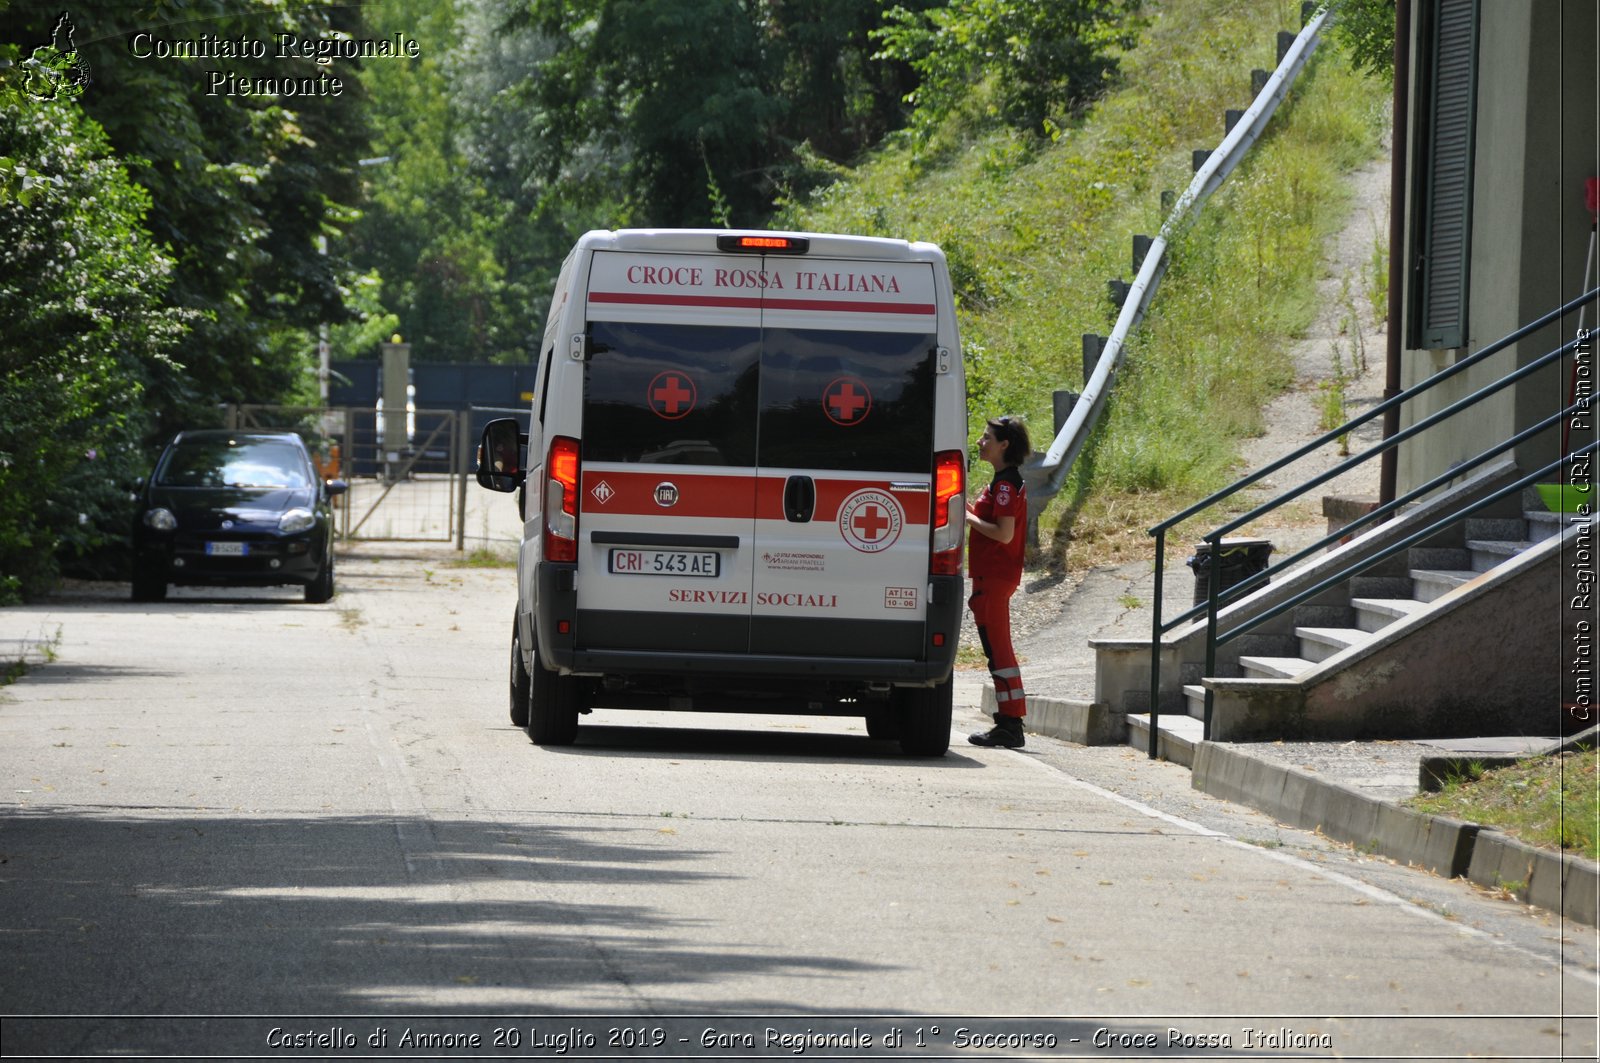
(1006, 496)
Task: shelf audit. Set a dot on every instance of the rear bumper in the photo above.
(917, 661)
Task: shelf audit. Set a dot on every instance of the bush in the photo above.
(80, 291)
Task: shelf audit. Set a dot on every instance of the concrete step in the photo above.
(1380, 586)
(1375, 614)
(1488, 553)
(1320, 643)
(1430, 584)
(1274, 667)
(1495, 528)
(1176, 739)
(1542, 524)
(1436, 558)
(1194, 697)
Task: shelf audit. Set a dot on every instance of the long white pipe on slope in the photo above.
(1069, 441)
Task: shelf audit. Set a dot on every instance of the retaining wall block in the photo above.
(1497, 863)
(1581, 901)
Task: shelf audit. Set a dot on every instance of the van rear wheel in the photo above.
(881, 724)
(554, 702)
(520, 682)
(923, 715)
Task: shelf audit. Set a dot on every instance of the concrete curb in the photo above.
(1083, 722)
(1558, 882)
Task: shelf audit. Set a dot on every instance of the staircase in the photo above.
(1454, 636)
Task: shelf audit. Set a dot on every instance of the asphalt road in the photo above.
(236, 824)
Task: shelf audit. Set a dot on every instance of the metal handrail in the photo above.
(1214, 639)
(1406, 543)
(1214, 599)
(1247, 585)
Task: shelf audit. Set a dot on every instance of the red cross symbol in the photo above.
(672, 395)
(846, 401)
(870, 523)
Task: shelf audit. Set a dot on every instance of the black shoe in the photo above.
(1005, 734)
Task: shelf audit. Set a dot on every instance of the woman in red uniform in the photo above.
(998, 520)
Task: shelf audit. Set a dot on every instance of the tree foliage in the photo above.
(87, 339)
(1047, 61)
(693, 107)
(1366, 30)
(172, 261)
(242, 187)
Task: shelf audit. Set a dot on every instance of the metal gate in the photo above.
(410, 489)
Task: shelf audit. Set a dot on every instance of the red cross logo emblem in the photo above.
(846, 400)
(671, 395)
(870, 521)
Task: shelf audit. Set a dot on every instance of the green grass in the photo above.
(1550, 802)
(1034, 229)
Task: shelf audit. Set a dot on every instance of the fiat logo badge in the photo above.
(666, 494)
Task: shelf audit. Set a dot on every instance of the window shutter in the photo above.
(1440, 316)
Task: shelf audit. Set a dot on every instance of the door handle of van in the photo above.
(799, 499)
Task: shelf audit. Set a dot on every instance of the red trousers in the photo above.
(991, 610)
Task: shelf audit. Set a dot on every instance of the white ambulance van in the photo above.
(743, 487)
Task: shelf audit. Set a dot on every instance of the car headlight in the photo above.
(161, 519)
(297, 520)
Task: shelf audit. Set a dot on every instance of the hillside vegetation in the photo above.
(1035, 228)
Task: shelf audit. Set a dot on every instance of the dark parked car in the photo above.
(242, 509)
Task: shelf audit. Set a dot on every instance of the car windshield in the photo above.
(234, 463)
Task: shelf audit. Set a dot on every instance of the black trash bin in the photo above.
(1238, 560)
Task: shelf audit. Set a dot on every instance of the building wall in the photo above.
(1535, 144)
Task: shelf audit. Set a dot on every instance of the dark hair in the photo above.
(1013, 434)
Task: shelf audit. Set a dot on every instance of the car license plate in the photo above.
(626, 562)
(227, 549)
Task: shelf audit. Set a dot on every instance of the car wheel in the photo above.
(148, 587)
(923, 714)
(320, 589)
(881, 722)
(554, 702)
(520, 682)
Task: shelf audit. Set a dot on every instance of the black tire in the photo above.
(924, 715)
(881, 722)
(520, 683)
(148, 587)
(554, 702)
(320, 589)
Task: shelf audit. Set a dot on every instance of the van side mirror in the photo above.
(500, 465)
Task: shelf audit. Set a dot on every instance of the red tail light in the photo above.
(561, 501)
(949, 503)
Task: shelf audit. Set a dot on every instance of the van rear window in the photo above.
(780, 398)
(847, 400)
(671, 394)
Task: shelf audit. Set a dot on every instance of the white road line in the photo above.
(1367, 890)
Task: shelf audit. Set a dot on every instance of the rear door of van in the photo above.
(757, 451)
(668, 491)
(845, 458)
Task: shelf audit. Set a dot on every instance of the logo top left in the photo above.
(56, 71)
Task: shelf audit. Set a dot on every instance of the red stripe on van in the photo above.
(728, 495)
(699, 495)
(836, 306)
